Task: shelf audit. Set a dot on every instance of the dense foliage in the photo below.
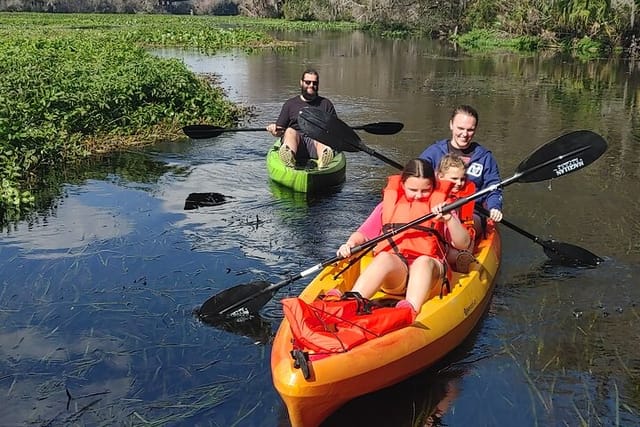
(594, 27)
(584, 27)
(597, 27)
(73, 85)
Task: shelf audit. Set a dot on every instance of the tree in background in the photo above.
(599, 25)
(80, 6)
(592, 24)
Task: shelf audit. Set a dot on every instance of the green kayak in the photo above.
(307, 178)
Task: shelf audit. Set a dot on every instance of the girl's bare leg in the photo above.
(386, 268)
(424, 273)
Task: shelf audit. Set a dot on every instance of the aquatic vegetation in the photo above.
(286, 24)
(490, 40)
(74, 85)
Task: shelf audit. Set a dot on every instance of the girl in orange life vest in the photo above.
(452, 168)
(412, 261)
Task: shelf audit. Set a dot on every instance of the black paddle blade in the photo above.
(563, 155)
(202, 131)
(199, 200)
(329, 130)
(381, 128)
(212, 308)
(570, 255)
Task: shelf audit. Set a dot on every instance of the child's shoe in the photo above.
(406, 304)
(333, 293)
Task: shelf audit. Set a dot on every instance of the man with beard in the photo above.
(295, 145)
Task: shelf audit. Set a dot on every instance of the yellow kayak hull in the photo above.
(441, 325)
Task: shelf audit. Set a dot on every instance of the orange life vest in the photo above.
(422, 239)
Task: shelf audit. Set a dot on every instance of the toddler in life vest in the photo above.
(411, 262)
(452, 168)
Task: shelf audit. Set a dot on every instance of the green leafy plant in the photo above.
(74, 85)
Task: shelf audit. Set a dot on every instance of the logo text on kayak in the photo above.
(468, 309)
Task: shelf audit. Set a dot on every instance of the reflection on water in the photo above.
(67, 231)
(97, 288)
(423, 400)
(566, 343)
(427, 399)
(201, 200)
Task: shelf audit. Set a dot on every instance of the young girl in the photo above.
(411, 262)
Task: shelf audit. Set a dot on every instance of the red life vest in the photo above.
(465, 212)
(422, 239)
(333, 325)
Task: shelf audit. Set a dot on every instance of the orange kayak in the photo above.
(441, 325)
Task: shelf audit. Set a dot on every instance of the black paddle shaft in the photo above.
(202, 131)
(563, 253)
(337, 134)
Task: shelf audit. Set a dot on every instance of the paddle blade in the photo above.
(199, 200)
(381, 128)
(212, 308)
(570, 255)
(561, 156)
(329, 130)
(202, 131)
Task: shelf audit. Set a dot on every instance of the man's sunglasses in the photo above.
(311, 82)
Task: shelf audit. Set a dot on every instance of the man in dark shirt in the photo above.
(296, 145)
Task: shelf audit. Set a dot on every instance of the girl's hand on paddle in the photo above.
(437, 209)
(344, 251)
(356, 238)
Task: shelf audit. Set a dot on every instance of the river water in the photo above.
(97, 288)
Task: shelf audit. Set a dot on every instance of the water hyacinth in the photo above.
(79, 84)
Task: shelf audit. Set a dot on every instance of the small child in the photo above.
(452, 168)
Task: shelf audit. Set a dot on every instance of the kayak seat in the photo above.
(463, 261)
(385, 301)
